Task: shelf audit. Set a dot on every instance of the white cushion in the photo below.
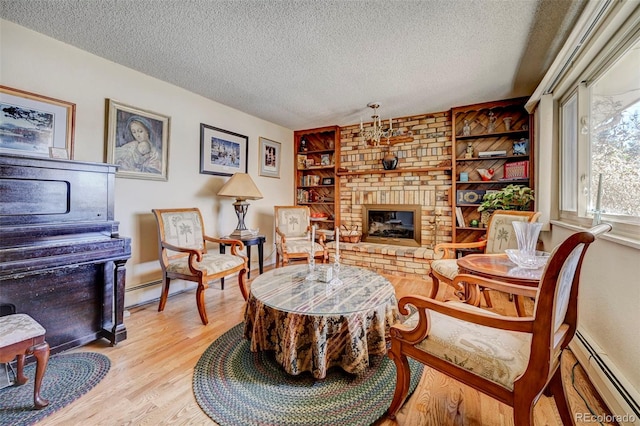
(498, 355)
(211, 263)
(18, 327)
(445, 267)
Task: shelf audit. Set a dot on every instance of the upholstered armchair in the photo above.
(293, 236)
(512, 359)
(183, 255)
(499, 237)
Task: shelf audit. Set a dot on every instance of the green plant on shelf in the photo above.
(511, 197)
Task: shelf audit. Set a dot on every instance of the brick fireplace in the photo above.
(422, 180)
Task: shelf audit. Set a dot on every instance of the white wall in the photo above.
(42, 65)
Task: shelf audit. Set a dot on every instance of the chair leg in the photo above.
(21, 379)
(202, 310)
(556, 387)
(523, 410)
(164, 294)
(487, 297)
(403, 380)
(242, 283)
(434, 287)
(41, 352)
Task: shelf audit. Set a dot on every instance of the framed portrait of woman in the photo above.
(137, 142)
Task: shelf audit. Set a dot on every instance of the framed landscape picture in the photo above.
(222, 152)
(30, 124)
(269, 158)
(137, 142)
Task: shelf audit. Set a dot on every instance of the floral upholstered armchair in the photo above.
(293, 236)
(510, 359)
(183, 255)
(500, 236)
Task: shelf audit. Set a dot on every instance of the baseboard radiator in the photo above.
(619, 395)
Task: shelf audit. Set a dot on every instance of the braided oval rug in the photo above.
(234, 386)
(68, 376)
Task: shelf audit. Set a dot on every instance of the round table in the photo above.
(313, 325)
(499, 267)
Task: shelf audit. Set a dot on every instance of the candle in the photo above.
(599, 196)
(313, 239)
(390, 127)
(361, 126)
(337, 241)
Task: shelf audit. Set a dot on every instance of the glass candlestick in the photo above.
(336, 269)
(311, 275)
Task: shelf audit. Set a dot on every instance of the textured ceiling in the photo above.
(303, 64)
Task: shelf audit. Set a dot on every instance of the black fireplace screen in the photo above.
(398, 224)
(391, 224)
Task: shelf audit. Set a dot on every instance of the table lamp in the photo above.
(242, 188)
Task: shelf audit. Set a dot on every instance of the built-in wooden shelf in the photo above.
(383, 171)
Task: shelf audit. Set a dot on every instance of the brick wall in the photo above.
(431, 147)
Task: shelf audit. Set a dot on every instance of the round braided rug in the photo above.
(67, 377)
(235, 386)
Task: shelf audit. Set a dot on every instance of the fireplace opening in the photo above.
(392, 224)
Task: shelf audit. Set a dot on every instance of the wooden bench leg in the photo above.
(41, 352)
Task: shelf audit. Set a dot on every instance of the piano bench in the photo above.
(21, 335)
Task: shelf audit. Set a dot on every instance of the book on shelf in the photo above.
(460, 218)
(487, 154)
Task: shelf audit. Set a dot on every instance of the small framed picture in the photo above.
(521, 147)
(60, 153)
(269, 158)
(302, 161)
(327, 181)
(30, 124)
(310, 162)
(325, 160)
(222, 152)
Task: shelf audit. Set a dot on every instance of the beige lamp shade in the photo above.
(240, 187)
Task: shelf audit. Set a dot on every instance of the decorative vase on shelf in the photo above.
(507, 123)
(491, 127)
(389, 161)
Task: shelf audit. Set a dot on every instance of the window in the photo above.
(569, 158)
(600, 144)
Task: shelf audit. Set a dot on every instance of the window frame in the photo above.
(614, 49)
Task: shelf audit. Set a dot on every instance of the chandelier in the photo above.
(373, 135)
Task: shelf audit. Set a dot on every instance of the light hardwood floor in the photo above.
(150, 381)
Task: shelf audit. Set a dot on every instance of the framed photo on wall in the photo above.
(30, 124)
(137, 142)
(270, 158)
(222, 152)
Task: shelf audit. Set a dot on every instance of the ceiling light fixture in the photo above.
(374, 134)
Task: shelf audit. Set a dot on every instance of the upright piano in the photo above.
(62, 260)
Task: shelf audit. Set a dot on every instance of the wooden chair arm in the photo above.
(423, 304)
(192, 252)
(236, 245)
(449, 249)
(283, 237)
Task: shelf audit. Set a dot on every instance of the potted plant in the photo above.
(511, 197)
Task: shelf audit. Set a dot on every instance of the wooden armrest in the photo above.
(520, 290)
(449, 249)
(424, 304)
(191, 251)
(235, 244)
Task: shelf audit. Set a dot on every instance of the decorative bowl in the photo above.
(528, 262)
